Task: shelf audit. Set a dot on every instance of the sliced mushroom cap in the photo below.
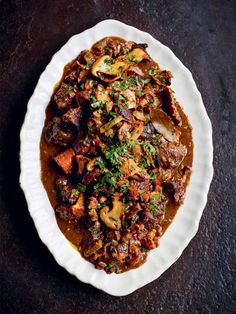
(130, 98)
(110, 71)
(111, 218)
(139, 115)
(137, 55)
(130, 168)
(162, 77)
(164, 125)
(124, 132)
(102, 94)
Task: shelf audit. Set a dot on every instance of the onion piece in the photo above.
(164, 125)
(106, 127)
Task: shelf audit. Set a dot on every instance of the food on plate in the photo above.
(116, 153)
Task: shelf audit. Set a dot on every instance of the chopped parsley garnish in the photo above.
(146, 81)
(96, 104)
(93, 229)
(123, 100)
(110, 265)
(111, 135)
(81, 187)
(126, 207)
(140, 93)
(155, 139)
(93, 98)
(100, 163)
(101, 76)
(56, 193)
(109, 178)
(69, 88)
(143, 162)
(152, 71)
(124, 188)
(155, 175)
(113, 114)
(89, 64)
(149, 148)
(154, 204)
(75, 192)
(119, 85)
(133, 59)
(114, 152)
(134, 80)
(81, 86)
(134, 219)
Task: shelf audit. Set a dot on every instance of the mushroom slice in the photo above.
(164, 125)
(111, 72)
(137, 55)
(102, 94)
(139, 115)
(162, 77)
(124, 132)
(112, 218)
(100, 65)
(129, 98)
(106, 127)
(130, 168)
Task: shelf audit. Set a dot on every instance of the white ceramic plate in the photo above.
(184, 225)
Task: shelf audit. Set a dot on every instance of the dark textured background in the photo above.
(202, 34)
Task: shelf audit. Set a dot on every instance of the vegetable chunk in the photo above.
(65, 160)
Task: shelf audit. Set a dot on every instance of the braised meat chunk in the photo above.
(55, 132)
(116, 151)
(72, 117)
(64, 96)
(171, 155)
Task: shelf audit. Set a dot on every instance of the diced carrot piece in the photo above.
(133, 190)
(65, 160)
(157, 181)
(78, 207)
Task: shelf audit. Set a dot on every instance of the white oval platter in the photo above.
(184, 225)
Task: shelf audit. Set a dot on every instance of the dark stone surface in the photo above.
(203, 35)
